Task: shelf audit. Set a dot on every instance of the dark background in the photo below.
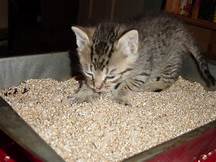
(42, 26)
(39, 26)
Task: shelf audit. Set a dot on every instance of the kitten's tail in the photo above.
(202, 67)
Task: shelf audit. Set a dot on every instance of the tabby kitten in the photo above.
(145, 55)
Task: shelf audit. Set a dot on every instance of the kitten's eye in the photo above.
(88, 74)
(112, 78)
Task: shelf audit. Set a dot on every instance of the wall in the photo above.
(3, 14)
(92, 11)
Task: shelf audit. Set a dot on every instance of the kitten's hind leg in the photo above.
(158, 84)
(202, 65)
(120, 94)
(165, 77)
(203, 69)
(83, 94)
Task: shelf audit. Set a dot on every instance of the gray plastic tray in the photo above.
(58, 66)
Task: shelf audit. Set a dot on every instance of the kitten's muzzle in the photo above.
(101, 89)
(98, 88)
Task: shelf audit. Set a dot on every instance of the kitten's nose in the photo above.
(98, 88)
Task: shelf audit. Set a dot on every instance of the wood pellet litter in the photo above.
(106, 131)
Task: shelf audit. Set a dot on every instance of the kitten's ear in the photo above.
(82, 38)
(128, 43)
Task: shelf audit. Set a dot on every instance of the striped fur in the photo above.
(145, 55)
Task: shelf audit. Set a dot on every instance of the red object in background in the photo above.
(199, 149)
(4, 157)
(12, 152)
(209, 157)
(192, 150)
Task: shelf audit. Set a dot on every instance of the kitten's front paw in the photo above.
(77, 98)
(122, 101)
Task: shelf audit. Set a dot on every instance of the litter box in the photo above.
(19, 142)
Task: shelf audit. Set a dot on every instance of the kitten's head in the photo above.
(106, 54)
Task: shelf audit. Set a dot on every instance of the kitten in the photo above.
(145, 55)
